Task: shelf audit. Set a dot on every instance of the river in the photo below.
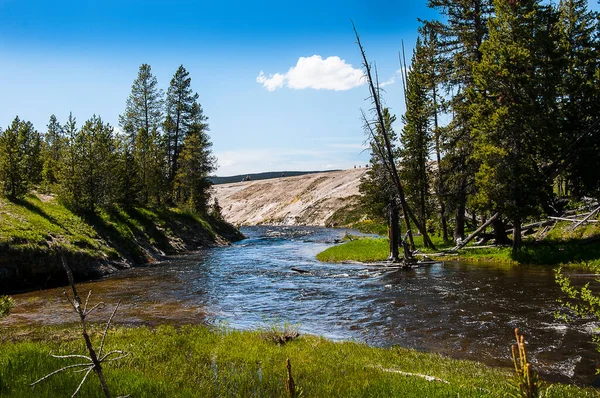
(456, 309)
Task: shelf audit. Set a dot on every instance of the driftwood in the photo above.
(400, 372)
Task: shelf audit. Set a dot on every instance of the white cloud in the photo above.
(392, 79)
(271, 83)
(331, 73)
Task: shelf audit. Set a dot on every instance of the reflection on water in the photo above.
(466, 311)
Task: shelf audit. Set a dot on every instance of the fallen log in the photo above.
(474, 234)
(586, 218)
(572, 220)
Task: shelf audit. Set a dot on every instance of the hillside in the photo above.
(312, 199)
(34, 230)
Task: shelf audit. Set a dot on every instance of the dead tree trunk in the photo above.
(500, 236)
(393, 232)
(389, 158)
(459, 222)
(517, 240)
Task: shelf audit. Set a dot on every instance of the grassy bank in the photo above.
(560, 246)
(196, 361)
(35, 228)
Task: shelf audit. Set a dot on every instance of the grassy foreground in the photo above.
(33, 229)
(196, 361)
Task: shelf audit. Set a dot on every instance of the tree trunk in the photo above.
(500, 232)
(459, 227)
(516, 234)
(444, 222)
(393, 231)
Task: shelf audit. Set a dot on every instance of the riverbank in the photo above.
(563, 246)
(200, 361)
(34, 230)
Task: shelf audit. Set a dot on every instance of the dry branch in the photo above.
(94, 360)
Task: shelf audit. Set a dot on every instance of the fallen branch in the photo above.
(586, 218)
(400, 372)
(572, 220)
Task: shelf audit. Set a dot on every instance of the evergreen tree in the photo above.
(460, 35)
(126, 173)
(376, 188)
(54, 140)
(196, 162)
(579, 95)
(508, 115)
(415, 139)
(179, 109)
(434, 67)
(20, 163)
(68, 189)
(91, 159)
(141, 123)
(378, 196)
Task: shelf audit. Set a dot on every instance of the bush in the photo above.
(6, 304)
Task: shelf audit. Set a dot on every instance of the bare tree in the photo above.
(388, 158)
(95, 359)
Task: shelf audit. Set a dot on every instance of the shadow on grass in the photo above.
(557, 252)
(37, 210)
(117, 238)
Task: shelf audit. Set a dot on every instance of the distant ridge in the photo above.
(262, 176)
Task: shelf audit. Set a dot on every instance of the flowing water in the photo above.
(460, 310)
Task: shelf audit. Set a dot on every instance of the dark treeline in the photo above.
(502, 103)
(162, 158)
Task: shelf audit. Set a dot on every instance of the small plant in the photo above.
(280, 333)
(6, 304)
(527, 381)
(290, 384)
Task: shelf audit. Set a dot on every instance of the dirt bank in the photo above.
(302, 200)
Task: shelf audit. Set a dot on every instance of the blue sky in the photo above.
(82, 56)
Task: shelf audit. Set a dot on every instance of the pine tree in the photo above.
(415, 139)
(54, 140)
(378, 196)
(195, 162)
(20, 162)
(508, 115)
(179, 109)
(141, 122)
(68, 189)
(579, 96)
(90, 158)
(460, 35)
(434, 67)
(126, 173)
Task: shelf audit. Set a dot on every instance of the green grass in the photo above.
(33, 229)
(558, 248)
(31, 224)
(364, 250)
(195, 361)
